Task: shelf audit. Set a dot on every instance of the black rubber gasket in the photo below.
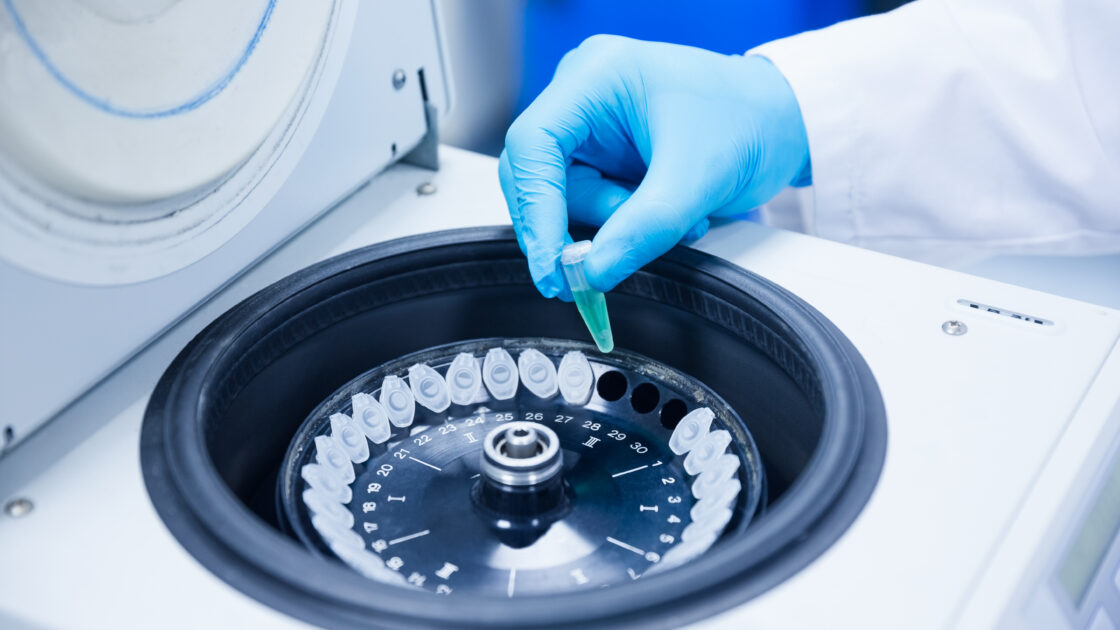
(190, 447)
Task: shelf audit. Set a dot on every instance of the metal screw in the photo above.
(427, 188)
(398, 79)
(18, 507)
(954, 327)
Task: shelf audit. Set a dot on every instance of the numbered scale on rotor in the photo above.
(463, 469)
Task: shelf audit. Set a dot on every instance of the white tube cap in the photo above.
(349, 437)
(537, 373)
(714, 522)
(499, 372)
(331, 456)
(722, 498)
(331, 511)
(428, 387)
(371, 417)
(575, 378)
(324, 480)
(398, 402)
(705, 453)
(368, 564)
(464, 379)
(335, 534)
(723, 468)
(690, 430)
(685, 551)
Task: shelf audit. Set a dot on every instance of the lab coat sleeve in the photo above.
(958, 124)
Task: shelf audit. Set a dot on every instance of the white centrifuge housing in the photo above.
(202, 245)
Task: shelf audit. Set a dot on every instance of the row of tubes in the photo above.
(714, 486)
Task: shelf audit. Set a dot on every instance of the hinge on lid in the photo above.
(426, 153)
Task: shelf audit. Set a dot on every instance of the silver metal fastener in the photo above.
(18, 507)
(954, 327)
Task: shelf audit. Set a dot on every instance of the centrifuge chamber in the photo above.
(219, 424)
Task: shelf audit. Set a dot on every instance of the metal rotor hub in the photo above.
(521, 454)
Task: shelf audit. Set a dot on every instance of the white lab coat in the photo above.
(954, 125)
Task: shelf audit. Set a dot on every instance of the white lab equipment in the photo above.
(971, 487)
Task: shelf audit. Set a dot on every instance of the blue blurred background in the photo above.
(504, 51)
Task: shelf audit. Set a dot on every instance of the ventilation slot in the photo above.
(1030, 319)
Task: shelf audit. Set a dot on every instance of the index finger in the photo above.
(533, 174)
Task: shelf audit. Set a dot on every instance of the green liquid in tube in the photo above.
(592, 304)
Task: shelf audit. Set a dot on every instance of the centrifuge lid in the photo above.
(134, 136)
(136, 101)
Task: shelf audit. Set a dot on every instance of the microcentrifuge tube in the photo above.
(713, 523)
(499, 372)
(326, 483)
(349, 436)
(690, 430)
(592, 304)
(721, 498)
(320, 504)
(367, 563)
(335, 533)
(685, 551)
(332, 458)
(340, 540)
(428, 387)
(371, 417)
(575, 377)
(705, 453)
(712, 477)
(537, 372)
(396, 398)
(464, 379)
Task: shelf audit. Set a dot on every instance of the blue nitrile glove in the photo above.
(646, 140)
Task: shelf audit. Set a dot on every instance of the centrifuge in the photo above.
(309, 382)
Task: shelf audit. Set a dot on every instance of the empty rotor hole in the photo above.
(644, 398)
(672, 413)
(612, 386)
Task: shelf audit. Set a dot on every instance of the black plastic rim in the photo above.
(214, 524)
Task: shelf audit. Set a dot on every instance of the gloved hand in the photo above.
(646, 140)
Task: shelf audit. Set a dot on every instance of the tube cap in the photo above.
(331, 456)
(370, 416)
(537, 373)
(398, 402)
(464, 379)
(705, 453)
(575, 378)
(690, 430)
(428, 387)
(499, 372)
(349, 437)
